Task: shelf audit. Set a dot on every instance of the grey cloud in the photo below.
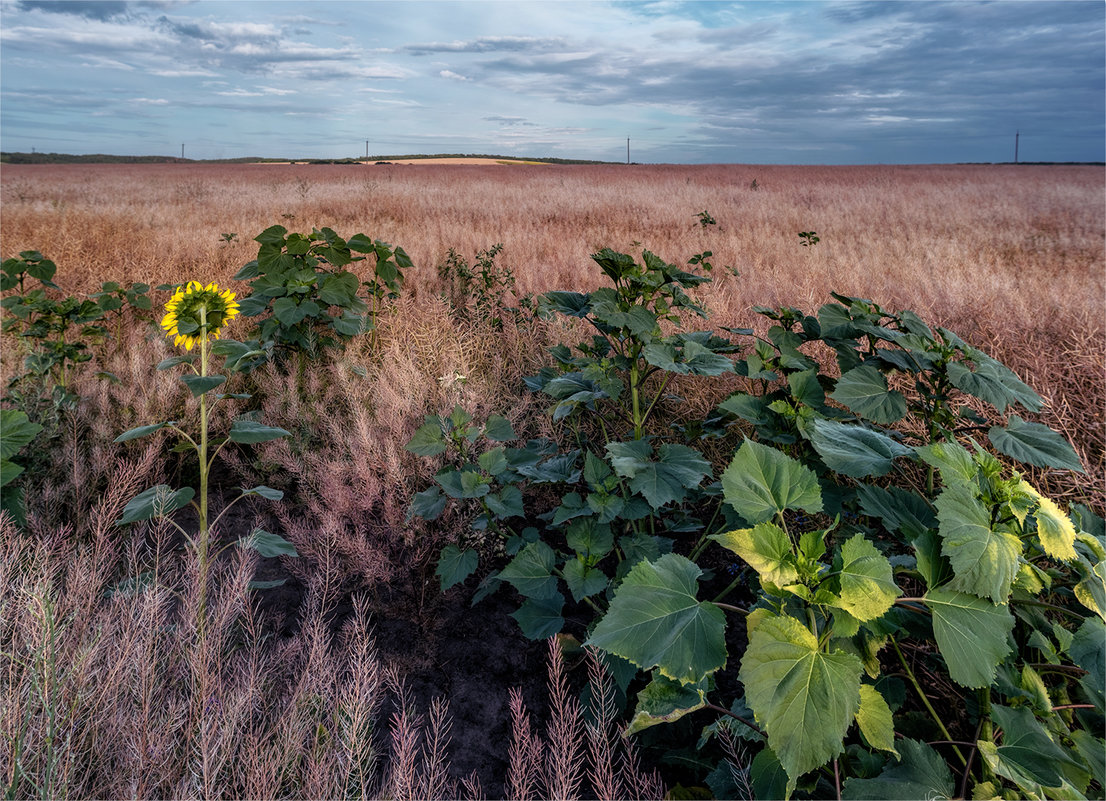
(94, 9)
(490, 44)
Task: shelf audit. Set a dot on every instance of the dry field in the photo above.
(1011, 258)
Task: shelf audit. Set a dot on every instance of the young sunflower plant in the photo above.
(195, 316)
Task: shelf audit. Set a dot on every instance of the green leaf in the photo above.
(768, 777)
(874, 720)
(921, 773)
(155, 502)
(540, 618)
(506, 503)
(1027, 752)
(268, 493)
(268, 544)
(1088, 649)
(868, 586)
(583, 581)
(1035, 444)
(428, 439)
(267, 585)
(1091, 590)
(288, 311)
(677, 469)
(531, 572)
(201, 384)
(16, 432)
(663, 701)
(249, 432)
(9, 472)
(173, 361)
(972, 635)
(573, 304)
(428, 504)
(498, 429)
(952, 459)
(1055, 530)
(984, 561)
(805, 699)
(655, 620)
(864, 390)
(761, 482)
(766, 548)
(455, 565)
(853, 450)
(898, 509)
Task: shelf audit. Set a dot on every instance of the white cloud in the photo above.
(453, 76)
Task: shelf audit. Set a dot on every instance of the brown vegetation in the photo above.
(118, 696)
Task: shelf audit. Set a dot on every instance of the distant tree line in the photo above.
(101, 158)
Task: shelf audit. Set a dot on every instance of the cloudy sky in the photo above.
(689, 82)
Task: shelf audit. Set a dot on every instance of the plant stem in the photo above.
(204, 469)
(723, 711)
(925, 700)
(728, 590)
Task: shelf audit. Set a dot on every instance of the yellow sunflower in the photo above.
(196, 310)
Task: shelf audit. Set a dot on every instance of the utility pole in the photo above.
(366, 150)
(182, 151)
(627, 150)
(1016, 135)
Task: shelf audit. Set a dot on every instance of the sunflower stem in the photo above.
(204, 468)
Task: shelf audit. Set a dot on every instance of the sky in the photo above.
(686, 82)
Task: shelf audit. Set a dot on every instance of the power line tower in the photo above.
(627, 150)
(1016, 135)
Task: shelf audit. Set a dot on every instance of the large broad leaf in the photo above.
(952, 459)
(573, 304)
(1027, 755)
(1088, 650)
(249, 432)
(540, 618)
(853, 450)
(455, 565)
(868, 586)
(874, 720)
(655, 620)
(766, 548)
(993, 382)
(1034, 444)
(922, 773)
(984, 560)
(691, 359)
(664, 700)
(806, 699)
(142, 431)
(1055, 530)
(268, 544)
(531, 572)
(666, 479)
(154, 502)
(498, 429)
(428, 439)
(864, 390)
(201, 384)
(898, 509)
(16, 432)
(761, 482)
(972, 635)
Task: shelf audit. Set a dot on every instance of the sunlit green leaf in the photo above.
(655, 620)
(984, 560)
(664, 700)
(874, 720)
(761, 482)
(805, 698)
(971, 633)
(663, 480)
(868, 586)
(766, 548)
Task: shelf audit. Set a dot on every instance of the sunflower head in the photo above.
(197, 312)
